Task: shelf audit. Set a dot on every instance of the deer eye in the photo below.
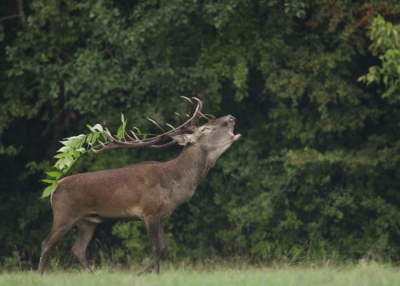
(204, 129)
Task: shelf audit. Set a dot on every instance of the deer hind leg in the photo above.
(149, 269)
(158, 244)
(85, 233)
(58, 231)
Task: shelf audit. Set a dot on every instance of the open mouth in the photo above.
(234, 137)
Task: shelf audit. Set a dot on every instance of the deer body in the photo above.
(147, 191)
(133, 192)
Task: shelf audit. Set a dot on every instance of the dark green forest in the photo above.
(314, 86)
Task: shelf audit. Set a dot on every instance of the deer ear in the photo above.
(184, 139)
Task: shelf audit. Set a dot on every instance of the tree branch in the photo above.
(21, 12)
(9, 17)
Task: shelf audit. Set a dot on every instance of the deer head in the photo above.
(213, 137)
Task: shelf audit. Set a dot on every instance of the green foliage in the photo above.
(74, 147)
(67, 155)
(121, 129)
(386, 41)
(134, 238)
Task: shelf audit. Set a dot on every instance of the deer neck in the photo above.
(189, 168)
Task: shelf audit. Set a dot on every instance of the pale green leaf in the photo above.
(137, 130)
(61, 164)
(61, 155)
(120, 133)
(47, 191)
(49, 181)
(68, 160)
(98, 127)
(64, 149)
(54, 174)
(94, 138)
(89, 137)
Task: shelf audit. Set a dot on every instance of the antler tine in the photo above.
(200, 103)
(180, 117)
(156, 124)
(209, 114)
(103, 147)
(129, 137)
(188, 99)
(191, 105)
(109, 136)
(198, 109)
(202, 115)
(170, 126)
(134, 135)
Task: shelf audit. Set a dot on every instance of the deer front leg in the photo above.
(158, 245)
(85, 234)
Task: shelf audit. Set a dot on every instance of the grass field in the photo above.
(363, 274)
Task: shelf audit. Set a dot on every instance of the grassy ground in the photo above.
(363, 274)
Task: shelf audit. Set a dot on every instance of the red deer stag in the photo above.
(147, 191)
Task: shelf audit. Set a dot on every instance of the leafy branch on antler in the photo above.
(76, 146)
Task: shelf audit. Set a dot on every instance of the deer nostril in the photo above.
(233, 119)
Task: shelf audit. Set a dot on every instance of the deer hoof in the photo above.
(145, 272)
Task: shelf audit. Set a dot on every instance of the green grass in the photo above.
(363, 274)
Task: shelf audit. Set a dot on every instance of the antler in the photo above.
(151, 143)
